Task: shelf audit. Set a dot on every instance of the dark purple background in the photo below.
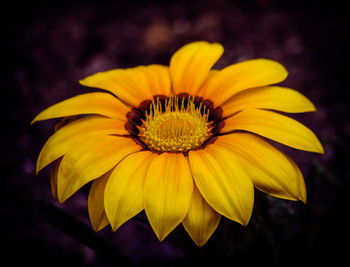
(49, 45)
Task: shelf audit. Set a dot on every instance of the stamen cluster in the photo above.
(177, 125)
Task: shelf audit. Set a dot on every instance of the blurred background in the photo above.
(47, 46)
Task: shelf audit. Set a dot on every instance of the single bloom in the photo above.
(185, 142)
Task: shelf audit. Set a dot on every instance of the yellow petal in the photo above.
(276, 127)
(271, 171)
(222, 182)
(168, 190)
(155, 78)
(96, 208)
(244, 75)
(190, 65)
(124, 191)
(201, 219)
(210, 76)
(90, 159)
(133, 85)
(63, 140)
(53, 178)
(92, 103)
(270, 97)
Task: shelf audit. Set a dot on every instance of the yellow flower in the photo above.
(184, 142)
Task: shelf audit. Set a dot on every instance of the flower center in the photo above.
(175, 125)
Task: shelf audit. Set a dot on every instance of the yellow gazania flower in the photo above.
(181, 142)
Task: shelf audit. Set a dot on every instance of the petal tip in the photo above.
(200, 243)
(279, 69)
(245, 223)
(284, 71)
(161, 237)
(61, 197)
(82, 81)
(36, 119)
(244, 220)
(115, 227)
(309, 106)
(219, 46)
(98, 226)
(312, 107)
(160, 233)
(303, 196)
(319, 148)
(38, 168)
(95, 228)
(86, 81)
(322, 151)
(303, 200)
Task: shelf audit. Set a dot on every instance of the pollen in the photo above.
(176, 125)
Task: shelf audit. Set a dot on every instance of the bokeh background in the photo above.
(47, 46)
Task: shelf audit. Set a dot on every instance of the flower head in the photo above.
(184, 142)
